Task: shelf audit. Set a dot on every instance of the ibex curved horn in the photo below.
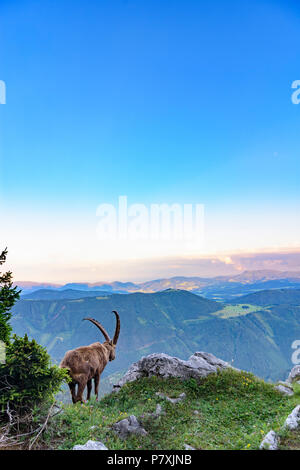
(117, 332)
(101, 328)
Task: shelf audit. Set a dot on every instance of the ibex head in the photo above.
(110, 344)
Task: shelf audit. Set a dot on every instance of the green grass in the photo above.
(233, 411)
(290, 440)
(239, 310)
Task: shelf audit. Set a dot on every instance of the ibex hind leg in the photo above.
(89, 389)
(80, 390)
(96, 382)
(72, 387)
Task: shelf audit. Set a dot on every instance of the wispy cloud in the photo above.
(143, 270)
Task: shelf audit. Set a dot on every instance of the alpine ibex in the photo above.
(88, 362)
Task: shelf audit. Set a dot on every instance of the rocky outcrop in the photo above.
(285, 388)
(91, 445)
(270, 442)
(199, 365)
(293, 419)
(128, 426)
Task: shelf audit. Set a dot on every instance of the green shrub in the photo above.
(27, 378)
(8, 296)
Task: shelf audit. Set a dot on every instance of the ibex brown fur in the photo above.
(88, 362)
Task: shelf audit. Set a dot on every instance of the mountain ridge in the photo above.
(223, 288)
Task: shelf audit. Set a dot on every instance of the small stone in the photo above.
(128, 426)
(91, 445)
(188, 447)
(158, 412)
(285, 390)
(181, 397)
(270, 441)
(293, 419)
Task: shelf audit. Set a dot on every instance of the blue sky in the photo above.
(177, 101)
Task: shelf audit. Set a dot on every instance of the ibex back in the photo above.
(88, 362)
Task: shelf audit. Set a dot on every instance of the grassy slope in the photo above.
(235, 410)
(239, 310)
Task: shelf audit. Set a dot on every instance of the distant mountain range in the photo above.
(223, 288)
(255, 331)
(64, 294)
